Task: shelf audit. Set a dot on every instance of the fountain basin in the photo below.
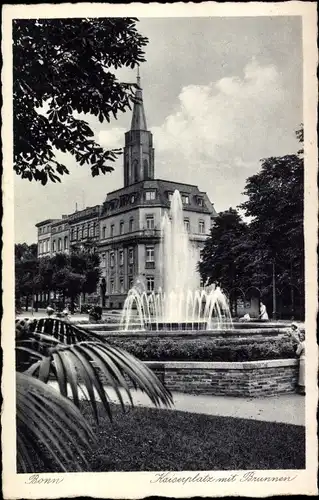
(174, 326)
(242, 379)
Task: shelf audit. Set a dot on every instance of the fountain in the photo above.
(180, 304)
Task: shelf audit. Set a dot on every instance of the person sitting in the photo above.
(66, 312)
(245, 318)
(50, 310)
(263, 316)
(295, 332)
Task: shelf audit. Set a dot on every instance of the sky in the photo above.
(220, 94)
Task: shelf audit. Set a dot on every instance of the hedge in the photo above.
(208, 350)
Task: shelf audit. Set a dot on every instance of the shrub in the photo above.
(154, 349)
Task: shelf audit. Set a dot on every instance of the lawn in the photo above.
(146, 439)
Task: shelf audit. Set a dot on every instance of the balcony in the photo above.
(135, 235)
(150, 265)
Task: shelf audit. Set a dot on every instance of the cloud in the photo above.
(112, 138)
(214, 137)
(225, 119)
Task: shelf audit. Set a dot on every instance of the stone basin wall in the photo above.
(201, 334)
(245, 379)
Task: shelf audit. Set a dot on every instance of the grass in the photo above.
(147, 439)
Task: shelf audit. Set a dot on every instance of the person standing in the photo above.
(263, 312)
(299, 338)
(301, 353)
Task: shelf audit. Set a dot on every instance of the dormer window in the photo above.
(150, 195)
(185, 199)
(200, 201)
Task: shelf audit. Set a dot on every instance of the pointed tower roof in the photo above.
(138, 118)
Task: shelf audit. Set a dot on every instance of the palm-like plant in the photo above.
(50, 424)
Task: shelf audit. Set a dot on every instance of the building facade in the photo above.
(126, 229)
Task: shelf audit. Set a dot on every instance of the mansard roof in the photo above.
(46, 221)
(132, 196)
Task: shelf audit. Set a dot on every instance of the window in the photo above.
(104, 232)
(91, 230)
(40, 230)
(150, 222)
(200, 202)
(131, 283)
(186, 225)
(112, 230)
(145, 168)
(65, 242)
(53, 246)
(121, 257)
(185, 199)
(149, 254)
(133, 198)
(170, 196)
(121, 227)
(131, 255)
(150, 283)
(131, 225)
(201, 227)
(78, 233)
(59, 244)
(121, 285)
(112, 259)
(135, 170)
(106, 259)
(149, 195)
(112, 286)
(103, 260)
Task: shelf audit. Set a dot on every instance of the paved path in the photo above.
(286, 408)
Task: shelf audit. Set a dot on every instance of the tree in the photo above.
(267, 252)
(26, 270)
(69, 275)
(224, 256)
(275, 205)
(50, 426)
(62, 66)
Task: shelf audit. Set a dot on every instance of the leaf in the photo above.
(36, 399)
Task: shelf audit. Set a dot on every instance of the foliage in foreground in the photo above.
(62, 67)
(50, 425)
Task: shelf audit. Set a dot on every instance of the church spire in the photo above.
(138, 149)
(138, 118)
